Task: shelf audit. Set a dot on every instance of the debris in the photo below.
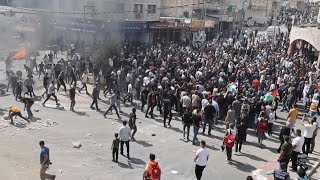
(60, 170)
(76, 145)
(6, 117)
(174, 172)
(84, 164)
(89, 134)
(18, 129)
(12, 134)
(100, 145)
(36, 110)
(153, 134)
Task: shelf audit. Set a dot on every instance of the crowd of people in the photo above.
(239, 82)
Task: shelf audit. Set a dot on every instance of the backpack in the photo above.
(155, 171)
(262, 127)
(229, 140)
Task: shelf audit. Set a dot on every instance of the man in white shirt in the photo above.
(84, 82)
(309, 129)
(201, 159)
(51, 90)
(129, 96)
(125, 136)
(186, 102)
(297, 144)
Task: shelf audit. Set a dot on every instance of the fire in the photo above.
(20, 54)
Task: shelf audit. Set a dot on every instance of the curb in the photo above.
(313, 169)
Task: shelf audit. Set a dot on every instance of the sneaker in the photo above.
(146, 116)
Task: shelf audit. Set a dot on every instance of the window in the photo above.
(186, 14)
(137, 8)
(152, 9)
(119, 7)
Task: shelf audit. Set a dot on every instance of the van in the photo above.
(258, 21)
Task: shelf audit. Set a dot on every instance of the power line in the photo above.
(39, 11)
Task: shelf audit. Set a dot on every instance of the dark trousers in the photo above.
(285, 161)
(270, 126)
(128, 97)
(95, 101)
(61, 83)
(115, 154)
(229, 152)
(209, 122)
(239, 144)
(134, 128)
(17, 114)
(84, 85)
(294, 159)
(150, 107)
(165, 116)
(306, 145)
(112, 106)
(121, 147)
(29, 91)
(72, 104)
(184, 130)
(48, 97)
(198, 171)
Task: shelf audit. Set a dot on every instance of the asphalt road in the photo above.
(58, 127)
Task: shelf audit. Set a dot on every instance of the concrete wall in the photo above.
(309, 34)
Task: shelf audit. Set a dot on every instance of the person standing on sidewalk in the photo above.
(45, 162)
(51, 93)
(153, 170)
(201, 159)
(95, 96)
(285, 153)
(84, 80)
(297, 144)
(132, 123)
(125, 135)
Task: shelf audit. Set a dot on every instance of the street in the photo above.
(59, 127)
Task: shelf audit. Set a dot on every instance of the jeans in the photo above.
(229, 152)
(195, 134)
(285, 161)
(184, 130)
(198, 171)
(127, 145)
(306, 145)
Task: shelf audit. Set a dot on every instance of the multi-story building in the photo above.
(99, 20)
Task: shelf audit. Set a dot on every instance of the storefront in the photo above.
(168, 31)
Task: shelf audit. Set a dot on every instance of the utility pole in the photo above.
(85, 29)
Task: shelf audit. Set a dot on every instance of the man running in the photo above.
(113, 101)
(51, 93)
(132, 123)
(84, 82)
